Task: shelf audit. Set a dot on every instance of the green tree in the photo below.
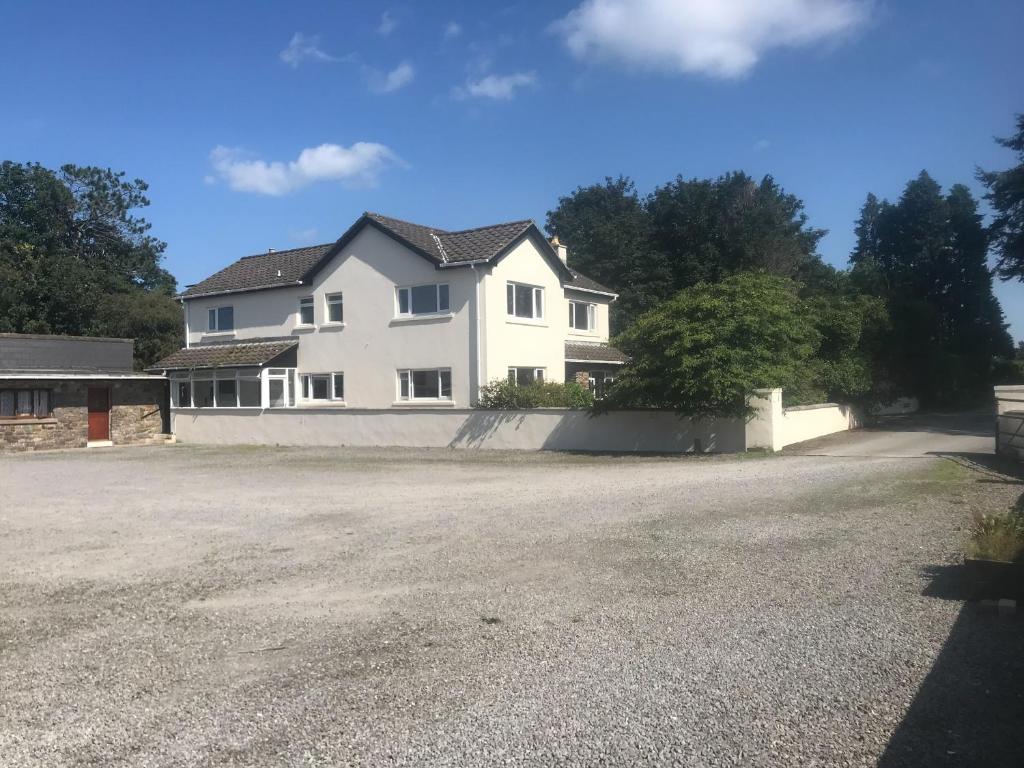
(1006, 196)
(686, 232)
(709, 229)
(703, 352)
(75, 259)
(607, 230)
(925, 255)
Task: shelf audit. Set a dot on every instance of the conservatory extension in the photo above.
(259, 374)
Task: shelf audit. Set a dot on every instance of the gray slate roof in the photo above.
(453, 247)
(246, 353)
(585, 283)
(593, 352)
(263, 270)
(298, 265)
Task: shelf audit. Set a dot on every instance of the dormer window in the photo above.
(221, 319)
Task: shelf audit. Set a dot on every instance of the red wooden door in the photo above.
(99, 413)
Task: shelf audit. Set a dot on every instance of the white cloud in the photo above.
(387, 24)
(761, 145)
(500, 87)
(721, 38)
(386, 82)
(361, 163)
(302, 48)
(452, 29)
(303, 235)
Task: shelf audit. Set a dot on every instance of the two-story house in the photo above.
(391, 315)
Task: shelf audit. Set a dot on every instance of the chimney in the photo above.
(270, 251)
(561, 250)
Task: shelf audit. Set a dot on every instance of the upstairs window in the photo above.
(221, 319)
(423, 299)
(526, 301)
(429, 384)
(335, 308)
(582, 316)
(306, 316)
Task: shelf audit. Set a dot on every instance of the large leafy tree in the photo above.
(925, 255)
(686, 232)
(607, 230)
(703, 352)
(1006, 196)
(75, 259)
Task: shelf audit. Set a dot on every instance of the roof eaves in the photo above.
(290, 284)
(590, 290)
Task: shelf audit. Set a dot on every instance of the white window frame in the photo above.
(217, 375)
(306, 387)
(213, 323)
(539, 374)
(408, 289)
(334, 300)
(591, 315)
(407, 375)
(536, 300)
(306, 301)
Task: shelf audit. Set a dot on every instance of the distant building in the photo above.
(76, 392)
(391, 315)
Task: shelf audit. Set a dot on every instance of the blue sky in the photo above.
(275, 125)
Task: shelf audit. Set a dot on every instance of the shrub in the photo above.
(998, 536)
(502, 394)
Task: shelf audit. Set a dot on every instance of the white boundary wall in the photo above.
(771, 428)
(548, 429)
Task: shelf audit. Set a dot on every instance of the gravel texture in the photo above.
(213, 606)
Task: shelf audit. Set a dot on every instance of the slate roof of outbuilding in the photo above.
(593, 353)
(297, 265)
(225, 355)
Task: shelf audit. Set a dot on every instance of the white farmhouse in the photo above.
(391, 315)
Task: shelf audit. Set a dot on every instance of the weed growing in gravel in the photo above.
(998, 536)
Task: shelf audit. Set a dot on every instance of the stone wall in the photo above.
(136, 415)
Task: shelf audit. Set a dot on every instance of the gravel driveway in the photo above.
(188, 606)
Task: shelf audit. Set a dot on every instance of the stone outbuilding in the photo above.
(76, 392)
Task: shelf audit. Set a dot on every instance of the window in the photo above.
(335, 309)
(339, 386)
(25, 404)
(202, 393)
(232, 388)
(248, 392)
(429, 384)
(221, 319)
(599, 381)
(582, 316)
(227, 393)
(523, 376)
(181, 394)
(306, 316)
(525, 301)
(424, 299)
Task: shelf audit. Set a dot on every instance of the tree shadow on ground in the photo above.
(993, 467)
(976, 423)
(969, 711)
